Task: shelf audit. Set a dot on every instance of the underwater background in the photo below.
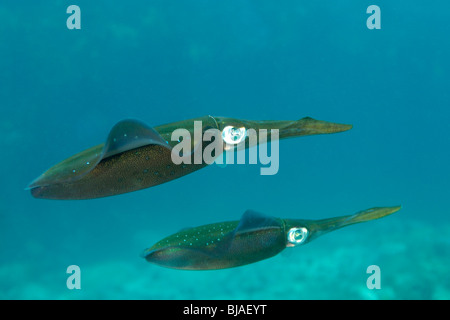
(159, 61)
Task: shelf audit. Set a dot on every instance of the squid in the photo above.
(136, 156)
(254, 238)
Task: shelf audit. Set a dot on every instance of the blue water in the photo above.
(62, 90)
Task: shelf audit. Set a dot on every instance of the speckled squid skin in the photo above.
(151, 165)
(215, 246)
(129, 171)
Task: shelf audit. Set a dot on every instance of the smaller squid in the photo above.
(254, 238)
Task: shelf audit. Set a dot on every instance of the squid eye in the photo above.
(233, 135)
(296, 236)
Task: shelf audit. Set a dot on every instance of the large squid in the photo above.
(255, 237)
(136, 156)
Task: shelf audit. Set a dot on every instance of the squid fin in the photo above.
(131, 134)
(253, 220)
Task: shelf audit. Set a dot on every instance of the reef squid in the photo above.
(254, 238)
(136, 156)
